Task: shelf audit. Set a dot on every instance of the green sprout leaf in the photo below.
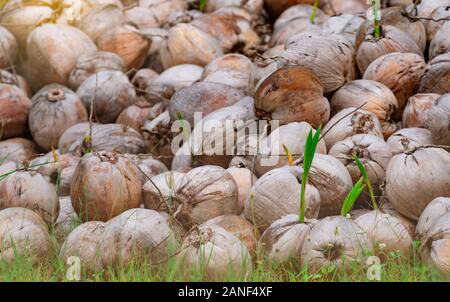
(365, 175)
(352, 196)
(314, 11)
(289, 155)
(308, 156)
(3, 3)
(376, 20)
(202, 5)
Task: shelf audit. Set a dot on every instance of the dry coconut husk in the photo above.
(348, 122)
(14, 109)
(263, 66)
(275, 8)
(83, 242)
(214, 254)
(29, 189)
(136, 234)
(426, 8)
(245, 180)
(142, 79)
(332, 180)
(201, 97)
(407, 138)
(373, 152)
(430, 215)
(334, 241)
(276, 194)
(23, 234)
(108, 93)
(170, 81)
(147, 166)
(108, 137)
(60, 108)
(9, 78)
(67, 219)
(104, 185)
(344, 25)
(92, 63)
(386, 233)
(141, 17)
(441, 42)
(271, 152)
(441, 13)
(72, 134)
(238, 226)
(435, 248)
(100, 19)
(158, 191)
(429, 167)
(9, 48)
(162, 9)
(187, 44)
(397, 16)
(392, 39)
(438, 121)
(386, 207)
(231, 69)
(335, 65)
(17, 149)
(128, 43)
(254, 7)
(373, 97)
(283, 240)
(415, 113)
(337, 7)
(135, 115)
(44, 58)
(400, 72)
(292, 101)
(436, 76)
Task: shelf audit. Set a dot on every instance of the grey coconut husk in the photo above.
(346, 25)
(283, 240)
(373, 97)
(348, 122)
(136, 234)
(100, 19)
(158, 191)
(435, 78)
(17, 149)
(292, 101)
(147, 166)
(441, 13)
(337, 7)
(245, 179)
(135, 115)
(415, 113)
(9, 48)
(406, 138)
(67, 219)
(335, 241)
(24, 234)
(104, 185)
(335, 65)
(72, 134)
(438, 121)
(386, 233)
(429, 167)
(15, 79)
(386, 207)
(254, 7)
(263, 66)
(83, 242)
(60, 108)
(214, 254)
(400, 72)
(276, 194)
(271, 152)
(430, 215)
(441, 42)
(29, 189)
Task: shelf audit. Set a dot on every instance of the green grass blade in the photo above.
(365, 175)
(352, 196)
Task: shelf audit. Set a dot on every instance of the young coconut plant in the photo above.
(104, 185)
(283, 240)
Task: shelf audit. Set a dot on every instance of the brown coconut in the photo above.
(14, 109)
(147, 166)
(90, 64)
(430, 215)
(24, 233)
(214, 254)
(9, 49)
(276, 194)
(100, 19)
(17, 149)
(335, 241)
(344, 25)
(337, 7)
(158, 191)
(252, 6)
(407, 138)
(47, 44)
(29, 189)
(292, 101)
(400, 72)
(392, 39)
(438, 120)
(335, 64)
(416, 110)
(263, 66)
(128, 43)
(275, 8)
(60, 108)
(162, 9)
(135, 115)
(429, 167)
(104, 185)
(15, 79)
(72, 134)
(67, 219)
(436, 76)
(441, 13)
(109, 92)
(373, 97)
(441, 42)
(84, 242)
(245, 180)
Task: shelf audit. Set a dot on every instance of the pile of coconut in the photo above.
(95, 97)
